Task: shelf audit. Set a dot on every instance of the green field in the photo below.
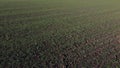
(59, 34)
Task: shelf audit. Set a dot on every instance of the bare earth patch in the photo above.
(118, 38)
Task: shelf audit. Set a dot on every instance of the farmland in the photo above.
(59, 34)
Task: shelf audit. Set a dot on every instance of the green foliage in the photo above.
(59, 33)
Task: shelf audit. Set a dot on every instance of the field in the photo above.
(59, 34)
